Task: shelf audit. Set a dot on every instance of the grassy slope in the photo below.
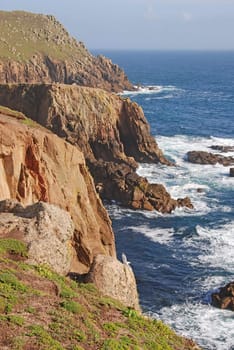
(24, 35)
(42, 310)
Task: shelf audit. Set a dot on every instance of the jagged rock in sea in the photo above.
(224, 298)
(222, 148)
(47, 230)
(201, 157)
(114, 279)
(36, 48)
(36, 165)
(231, 172)
(111, 131)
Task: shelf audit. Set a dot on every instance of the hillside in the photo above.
(41, 310)
(37, 48)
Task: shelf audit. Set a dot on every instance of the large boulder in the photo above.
(224, 298)
(46, 229)
(114, 279)
(201, 157)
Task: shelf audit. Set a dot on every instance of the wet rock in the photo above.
(223, 148)
(224, 298)
(120, 182)
(231, 172)
(114, 279)
(201, 157)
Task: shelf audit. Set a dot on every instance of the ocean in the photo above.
(180, 258)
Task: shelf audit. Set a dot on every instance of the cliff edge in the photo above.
(36, 48)
(111, 131)
(36, 165)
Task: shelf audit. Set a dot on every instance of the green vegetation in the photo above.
(13, 246)
(23, 35)
(12, 113)
(42, 310)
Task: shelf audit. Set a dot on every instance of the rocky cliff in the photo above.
(111, 131)
(36, 48)
(36, 165)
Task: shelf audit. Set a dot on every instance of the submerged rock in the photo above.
(224, 298)
(201, 157)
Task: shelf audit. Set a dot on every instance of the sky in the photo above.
(141, 24)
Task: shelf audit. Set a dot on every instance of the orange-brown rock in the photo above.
(112, 132)
(36, 165)
(224, 298)
(103, 125)
(36, 48)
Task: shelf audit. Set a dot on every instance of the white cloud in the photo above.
(187, 16)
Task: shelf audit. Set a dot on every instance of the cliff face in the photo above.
(112, 132)
(104, 126)
(37, 165)
(36, 48)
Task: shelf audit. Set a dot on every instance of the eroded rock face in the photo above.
(111, 131)
(104, 126)
(120, 182)
(224, 299)
(114, 279)
(46, 53)
(47, 230)
(201, 157)
(36, 165)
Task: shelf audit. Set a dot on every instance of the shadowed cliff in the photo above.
(112, 132)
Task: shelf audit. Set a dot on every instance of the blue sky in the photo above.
(141, 24)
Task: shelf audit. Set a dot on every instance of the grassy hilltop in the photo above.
(24, 34)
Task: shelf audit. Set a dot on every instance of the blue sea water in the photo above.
(180, 258)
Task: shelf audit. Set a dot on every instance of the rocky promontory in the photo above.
(36, 48)
(111, 131)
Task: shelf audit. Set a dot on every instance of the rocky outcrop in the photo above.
(47, 230)
(36, 48)
(120, 182)
(224, 298)
(221, 148)
(111, 131)
(231, 172)
(201, 157)
(36, 165)
(114, 279)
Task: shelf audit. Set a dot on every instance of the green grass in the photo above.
(25, 34)
(62, 314)
(13, 246)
